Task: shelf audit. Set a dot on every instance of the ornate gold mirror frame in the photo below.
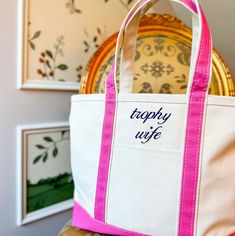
(162, 60)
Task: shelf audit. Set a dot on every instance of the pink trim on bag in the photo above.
(106, 148)
(190, 4)
(82, 219)
(193, 137)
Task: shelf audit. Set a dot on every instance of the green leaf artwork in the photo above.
(48, 59)
(49, 54)
(45, 156)
(35, 36)
(32, 45)
(48, 64)
(51, 148)
(49, 180)
(48, 139)
(36, 159)
(62, 67)
(63, 132)
(93, 40)
(55, 152)
(39, 146)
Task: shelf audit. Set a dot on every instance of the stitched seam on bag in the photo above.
(110, 143)
(202, 110)
(180, 103)
(135, 101)
(101, 189)
(214, 105)
(186, 143)
(185, 170)
(199, 172)
(113, 226)
(197, 149)
(111, 160)
(197, 160)
(208, 72)
(199, 137)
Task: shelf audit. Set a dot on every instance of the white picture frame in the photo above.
(52, 54)
(35, 184)
(24, 81)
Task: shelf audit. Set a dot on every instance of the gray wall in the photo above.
(21, 107)
(25, 107)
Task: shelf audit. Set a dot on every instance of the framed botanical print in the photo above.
(45, 184)
(57, 38)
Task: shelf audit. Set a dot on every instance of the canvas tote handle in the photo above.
(127, 43)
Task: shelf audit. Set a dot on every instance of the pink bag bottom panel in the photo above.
(82, 219)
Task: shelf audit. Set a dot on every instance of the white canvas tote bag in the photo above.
(155, 164)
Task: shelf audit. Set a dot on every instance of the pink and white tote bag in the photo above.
(155, 164)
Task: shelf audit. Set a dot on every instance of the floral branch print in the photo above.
(72, 8)
(31, 40)
(48, 60)
(124, 3)
(79, 70)
(53, 145)
(95, 40)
